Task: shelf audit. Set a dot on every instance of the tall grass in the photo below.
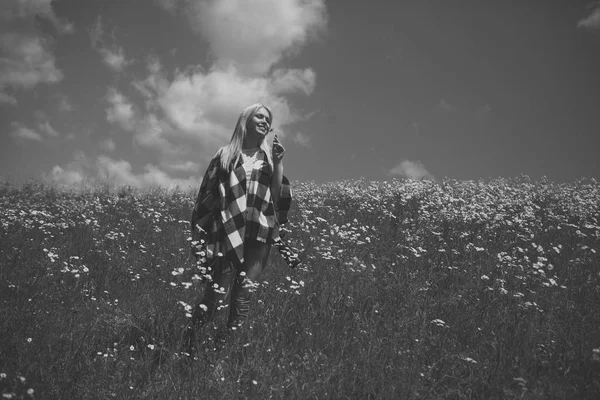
(409, 289)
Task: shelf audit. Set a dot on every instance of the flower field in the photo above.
(407, 290)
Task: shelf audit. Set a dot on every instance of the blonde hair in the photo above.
(230, 153)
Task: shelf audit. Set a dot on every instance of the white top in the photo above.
(248, 160)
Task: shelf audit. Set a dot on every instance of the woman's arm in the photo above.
(277, 178)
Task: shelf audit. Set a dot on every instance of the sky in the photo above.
(143, 92)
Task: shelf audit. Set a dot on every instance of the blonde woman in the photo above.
(242, 200)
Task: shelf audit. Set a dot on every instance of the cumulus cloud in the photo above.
(64, 104)
(445, 106)
(411, 169)
(8, 99)
(46, 128)
(292, 80)
(27, 59)
(120, 172)
(11, 10)
(302, 139)
(120, 110)
(108, 145)
(26, 62)
(184, 117)
(76, 172)
(105, 169)
(592, 21)
(253, 36)
(21, 132)
(112, 55)
(199, 109)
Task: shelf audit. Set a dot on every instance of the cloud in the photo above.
(302, 139)
(26, 62)
(292, 80)
(120, 110)
(411, 169)
(22, 132)
(11, 10)
(169, 5)
(120, 173)
(199, 107)
(64, 104)
(114, 55)
(253, 36)
(8, 99)
(67, 177)
(444, 105)
(116, 172)
(185, 116)
(27, 59)
(592, 21)
(46, 128)
(108, 145)
(75, 173)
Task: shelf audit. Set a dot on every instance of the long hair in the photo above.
(230, 153)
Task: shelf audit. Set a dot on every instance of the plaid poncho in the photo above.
(231, 209)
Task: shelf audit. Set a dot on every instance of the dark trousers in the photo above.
(233, 288)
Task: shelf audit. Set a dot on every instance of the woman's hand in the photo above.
(278, 150)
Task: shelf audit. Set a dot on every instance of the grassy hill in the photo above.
(408, 289)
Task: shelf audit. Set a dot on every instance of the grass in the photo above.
(409, 289)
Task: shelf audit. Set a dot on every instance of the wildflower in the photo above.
(439, 322)
(596, 355)
(151, 346)
(30, 391)
(132, 348)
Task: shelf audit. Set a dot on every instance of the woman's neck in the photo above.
(251, 142)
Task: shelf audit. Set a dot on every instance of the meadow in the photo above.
(408, 290)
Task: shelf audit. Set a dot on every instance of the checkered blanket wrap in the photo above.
(230, 209)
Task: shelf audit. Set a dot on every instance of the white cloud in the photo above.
(108, 145)
(11, 10)
(169, 5)
(592, 21)
(22, 132)
(112, 55)
(67, 177)
(8, 99)
(411, 169)
(184, 166)
(114, 58)
(184, 118)
(115, 172)
(120, 173)
(64, 104)
(27, 59)
(75, 173)
(46, 128)
(292, 80)
(444, 105)
(302, 139)
(120, 111)
(253, 36)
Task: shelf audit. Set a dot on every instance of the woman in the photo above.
(243, 199)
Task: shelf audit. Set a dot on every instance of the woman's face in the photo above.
(260, 124)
